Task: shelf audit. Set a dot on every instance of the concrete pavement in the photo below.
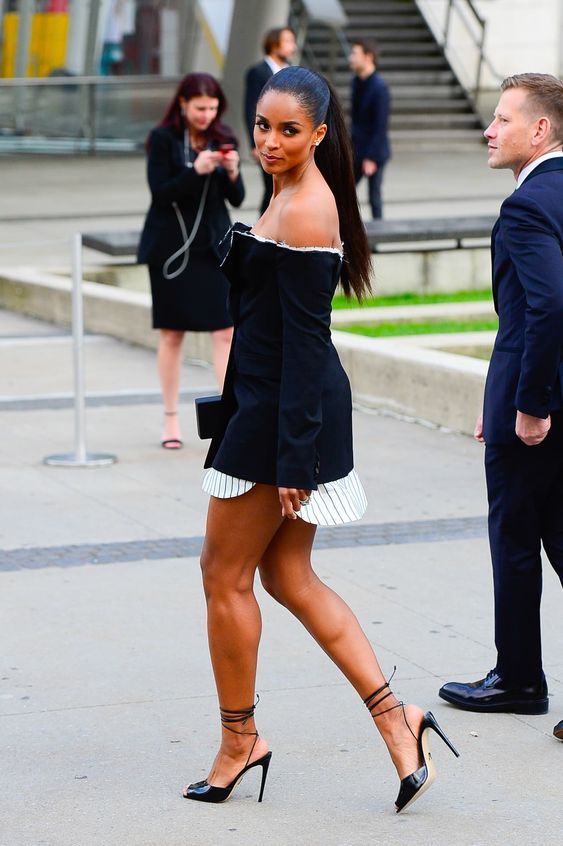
(106, 700)
(47, 198)
(106, 695)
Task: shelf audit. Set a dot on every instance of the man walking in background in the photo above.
(522, 423)
(370, 118)
(279, 47)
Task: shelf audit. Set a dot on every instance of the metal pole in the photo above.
(78, 32)
(91, 91)
(251, 19)
(22, 60)
(447, 23)
(80, 457)
(78, 349)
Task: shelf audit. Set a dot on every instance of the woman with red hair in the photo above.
(193, 168)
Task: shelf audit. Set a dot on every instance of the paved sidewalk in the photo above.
(48, 198)
(106, 695)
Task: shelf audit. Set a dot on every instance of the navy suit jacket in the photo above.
(256, 78)
(371, 102)
(526, 369)
(171, 181)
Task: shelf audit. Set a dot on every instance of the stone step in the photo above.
(429, 139)
(398, 49)
(406, 97)
(435, 81)
(387, 7)
(406, 64)
(428, 101)
(373, 18)
(421, 106)
(434, 121)
(413, 63)
(383, 35)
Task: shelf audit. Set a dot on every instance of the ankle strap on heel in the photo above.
(371, 705)
(242, 716)
(228, 716)
(371, 702)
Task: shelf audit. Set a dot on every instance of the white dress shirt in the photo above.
(529, 168)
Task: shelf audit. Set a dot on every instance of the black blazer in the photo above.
(371, 103)
(256, 78)
(171, 181)
(526, 369)
(286, 405)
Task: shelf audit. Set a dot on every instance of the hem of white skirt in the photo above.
(332, 504)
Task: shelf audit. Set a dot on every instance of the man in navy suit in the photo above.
(279, 48)
(371, 102)
(522, 422)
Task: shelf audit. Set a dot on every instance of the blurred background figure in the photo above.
(119, 22)
(193, 167)
(371, 102)
(279, 48)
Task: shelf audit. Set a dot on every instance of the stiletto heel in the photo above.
(202, 791)
(415, 784)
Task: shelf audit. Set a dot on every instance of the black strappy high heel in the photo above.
(415, 784)
(202, 791)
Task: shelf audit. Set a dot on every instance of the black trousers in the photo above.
(374, 188)
(525, 490)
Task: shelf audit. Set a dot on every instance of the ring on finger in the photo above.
(304, 501)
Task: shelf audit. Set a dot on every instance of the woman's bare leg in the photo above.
(169, 361)
(238, 531)
(286, 573)
(221, 347)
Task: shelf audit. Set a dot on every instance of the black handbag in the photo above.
(208, 416)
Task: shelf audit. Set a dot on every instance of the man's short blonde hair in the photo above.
(545, 97)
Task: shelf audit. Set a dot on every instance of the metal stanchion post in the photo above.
(80, 457)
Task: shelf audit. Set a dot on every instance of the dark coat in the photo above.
(287, 408)
(526, 369)
(171, 181)
(371, 102)
(256, 78)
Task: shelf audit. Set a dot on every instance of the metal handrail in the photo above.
(299, 19)
(56, 81)
(479, 40)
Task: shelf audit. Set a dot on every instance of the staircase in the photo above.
(429, 106)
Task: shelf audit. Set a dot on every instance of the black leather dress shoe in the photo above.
(558, 730)
(491, 695)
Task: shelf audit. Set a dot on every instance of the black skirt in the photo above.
(195, 301)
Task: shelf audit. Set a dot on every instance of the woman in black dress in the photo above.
(193, 167)
(281, 460)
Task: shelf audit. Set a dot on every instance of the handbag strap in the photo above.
(187, 239)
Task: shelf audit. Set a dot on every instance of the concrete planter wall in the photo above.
(411, 380)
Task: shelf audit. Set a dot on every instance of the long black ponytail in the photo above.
(333, 157)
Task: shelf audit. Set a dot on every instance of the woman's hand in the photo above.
(207, 161)
(231, 163)
(291, 500)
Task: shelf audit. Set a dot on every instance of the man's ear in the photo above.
(542, 131)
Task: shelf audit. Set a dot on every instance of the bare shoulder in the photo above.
(310, 219)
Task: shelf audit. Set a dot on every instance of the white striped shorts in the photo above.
(332, 504)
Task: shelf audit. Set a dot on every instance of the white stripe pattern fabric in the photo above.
(332, 504)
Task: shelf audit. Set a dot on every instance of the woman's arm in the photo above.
(305, 280)
(166, 183)
(233, 190)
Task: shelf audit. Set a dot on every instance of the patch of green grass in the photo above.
(340, 300)
(386, 330)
